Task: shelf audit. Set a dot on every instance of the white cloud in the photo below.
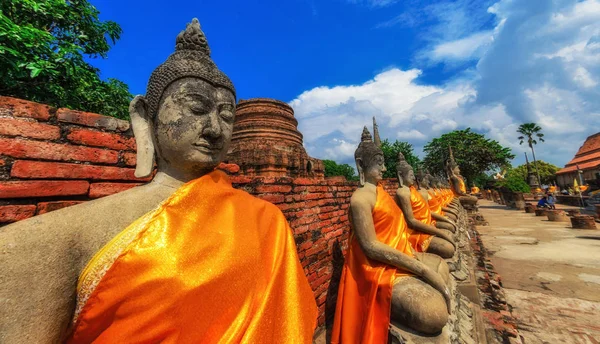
(541, 63)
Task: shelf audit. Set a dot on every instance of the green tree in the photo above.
(531, 133)
(390, 154)
(43, 46)
(473, 152)
(546, 170)
(514, 181)
(333, 169)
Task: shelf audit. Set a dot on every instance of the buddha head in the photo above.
(405, 172)
(370, 162)
(185, 120)
(453, 168)
(426, 180)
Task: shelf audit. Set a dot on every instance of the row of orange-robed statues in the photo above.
(187, 258)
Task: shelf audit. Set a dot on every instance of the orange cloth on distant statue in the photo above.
(362, 313)
(435, 205)
(474, 190)
(420, 241)
(462, 187)
(210, 264)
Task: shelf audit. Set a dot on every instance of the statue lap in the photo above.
(55, 248)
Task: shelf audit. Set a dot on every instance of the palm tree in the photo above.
(531, 133)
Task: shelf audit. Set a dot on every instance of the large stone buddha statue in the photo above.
(383, 280)
(435, 206)
(183, 259)
(457, 182)
(424, 235)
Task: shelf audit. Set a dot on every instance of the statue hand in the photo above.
(437, 282)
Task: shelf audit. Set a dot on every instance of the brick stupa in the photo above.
(266, 141)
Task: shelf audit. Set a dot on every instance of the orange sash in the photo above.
(211, 264)
(418, 240)
(434, 202)
(362, 313)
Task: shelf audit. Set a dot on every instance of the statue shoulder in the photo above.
(403, 192)
(364, 197)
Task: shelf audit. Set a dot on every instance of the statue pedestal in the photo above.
(557, 216)
(583, 222)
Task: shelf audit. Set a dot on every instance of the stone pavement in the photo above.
(550, 273)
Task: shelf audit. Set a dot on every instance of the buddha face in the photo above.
(193, 126)
(409, 177)
(375, 169)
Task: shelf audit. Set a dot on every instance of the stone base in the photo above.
(529, 208)
(557, 216)
(541, 212)
(573, 212)
(583, 222)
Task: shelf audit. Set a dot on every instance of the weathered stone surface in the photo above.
(28, 128)
(45, 188)
(92, 120)
(24, 108)
(541, 212)
(20, 148)
(55, 170)
(266, 141)
(557, 216)
(12, 213)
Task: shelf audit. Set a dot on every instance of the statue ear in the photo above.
(361, 172)
(400, 179)
(142, 129)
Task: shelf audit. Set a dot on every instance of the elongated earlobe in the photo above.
(142, 129)
(361, 174)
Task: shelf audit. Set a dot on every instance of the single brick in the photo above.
(23, 108)
(12, 213)
(89, 119)
(58, 170)
(46, 207)
(20, 148)
(101, 139)
(21, 127)
(98, 190)
(129, 158)
(42, 188)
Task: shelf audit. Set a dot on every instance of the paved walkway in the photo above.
(550, 272)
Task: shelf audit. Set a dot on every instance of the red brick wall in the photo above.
(53, 158)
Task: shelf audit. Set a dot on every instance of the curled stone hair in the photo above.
(367, 150)
(190, 59)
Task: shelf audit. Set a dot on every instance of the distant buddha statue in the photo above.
(383, 279)
(435, 206)
(424, 235)
(184, 259)
(457, 182)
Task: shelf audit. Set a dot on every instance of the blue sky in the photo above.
(422, 67)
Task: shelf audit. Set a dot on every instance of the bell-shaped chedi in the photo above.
(266, 141)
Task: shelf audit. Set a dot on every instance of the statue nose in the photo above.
(213, 126)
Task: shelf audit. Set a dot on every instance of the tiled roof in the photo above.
(587, 157)
(592, 143)
(583, 166)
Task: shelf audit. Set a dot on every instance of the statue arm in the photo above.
(364, 229)
(37, 288)
(456, 186)
(403, 201)
(441, 218)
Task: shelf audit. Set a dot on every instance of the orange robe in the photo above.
(362, 313)
(435, 205)
(462, 187)
(420, 241)
(210, 264)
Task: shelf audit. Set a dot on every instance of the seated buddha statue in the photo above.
(457, 182)
(424, 235)
(435, 206)
(184, 259)
(444, 197)
(383, 280)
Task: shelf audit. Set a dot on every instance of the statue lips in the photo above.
(207, 147)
